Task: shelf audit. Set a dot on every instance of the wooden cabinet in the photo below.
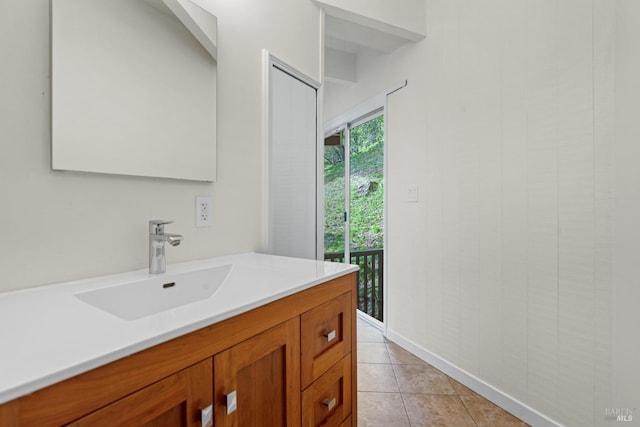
(328, 370)
(257, 382)
(326, 336)
(177, 400)
(327, 402)
(288, 363)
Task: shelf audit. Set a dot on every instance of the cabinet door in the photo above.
(326, 337)
(174, 401)
(257, 382)
(327, 402)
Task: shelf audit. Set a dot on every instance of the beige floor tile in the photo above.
(436, 410)
(367, 333)
(396, 388)
(423, 379)
(381, 410)
(377, 377)
(461, 389)
(400, 356)
(487, 414)
(373, 352)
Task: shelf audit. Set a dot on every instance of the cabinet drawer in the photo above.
(325, 337)
(327, 402)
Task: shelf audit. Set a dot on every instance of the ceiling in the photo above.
(355, 38)
(346, 39)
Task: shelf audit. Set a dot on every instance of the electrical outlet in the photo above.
(203, 211)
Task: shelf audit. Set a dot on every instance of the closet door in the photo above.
(291, 166)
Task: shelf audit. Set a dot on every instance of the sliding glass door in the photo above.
(354, 205)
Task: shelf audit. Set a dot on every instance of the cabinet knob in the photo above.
(331, 335)
(232, 402)
(206, 416)
(329, 403)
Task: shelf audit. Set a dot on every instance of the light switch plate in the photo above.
(412, 193)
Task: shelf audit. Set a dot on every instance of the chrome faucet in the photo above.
(157, 238)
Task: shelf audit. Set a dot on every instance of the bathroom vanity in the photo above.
(274, 345)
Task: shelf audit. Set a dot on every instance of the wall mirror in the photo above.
(134, 88)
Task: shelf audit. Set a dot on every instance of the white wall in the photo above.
(627, 209)
(504, 267)
(61, 226)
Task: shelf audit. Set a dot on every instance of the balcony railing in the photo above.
(370, 283)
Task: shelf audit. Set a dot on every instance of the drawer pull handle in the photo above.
(329, 403)
(206, 416)
(232, 402)
(331, 335)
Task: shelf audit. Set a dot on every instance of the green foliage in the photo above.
(366, 189)
(334, 214)
(333, 155)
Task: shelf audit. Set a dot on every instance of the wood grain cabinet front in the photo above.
(178, 400)
(257, 382)
(327, 402)
(326, 336)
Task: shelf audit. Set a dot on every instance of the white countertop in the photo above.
(48, 335)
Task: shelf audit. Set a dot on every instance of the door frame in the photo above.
(364, 110)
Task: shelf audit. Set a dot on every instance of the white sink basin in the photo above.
(153, 295)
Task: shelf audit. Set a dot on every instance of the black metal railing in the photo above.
(370, 283)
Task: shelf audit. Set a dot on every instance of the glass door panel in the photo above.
(334, 197)
(366, 180)
(354, 205)
(366, 207)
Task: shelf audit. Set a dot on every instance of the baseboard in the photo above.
(370, 320)
(510, 404)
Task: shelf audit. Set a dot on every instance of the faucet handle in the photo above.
(156, 226)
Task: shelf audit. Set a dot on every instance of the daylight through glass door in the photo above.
(354, 205)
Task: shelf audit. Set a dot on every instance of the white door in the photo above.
(291, 166)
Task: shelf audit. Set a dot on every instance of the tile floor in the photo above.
(395, 388)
